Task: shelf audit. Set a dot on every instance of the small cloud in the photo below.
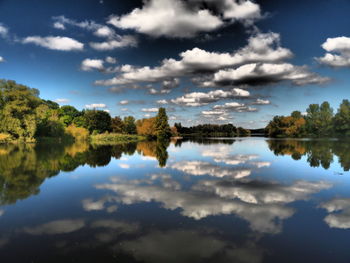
(162, 101)
(59, 25)
(55, 43)
(150, 110)
(124, 166)
(62, 100)
(95, 105)
(2, 59)
(91, 64)
(111, 60)
(124, 102)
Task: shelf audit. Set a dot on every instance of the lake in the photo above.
(206, 200)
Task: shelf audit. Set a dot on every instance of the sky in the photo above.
(205, 61)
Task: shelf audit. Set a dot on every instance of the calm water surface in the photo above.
(210, 200)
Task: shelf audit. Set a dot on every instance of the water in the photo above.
(210, 200)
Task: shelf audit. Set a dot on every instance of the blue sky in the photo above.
(205, 61)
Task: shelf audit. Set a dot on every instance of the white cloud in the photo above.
(95, 105)
(111, 60)
(124, 102)
(339, 209)
(62, 100)
(162, 101)
(199, 168)
(88, 25)
(55, 43)
(261, 102)
(234, 106)
(59, 25)
(3, 31)
(170, 18)
(56, 227)
(195, 99)
(341, 47)
(150, 110)
(104, 31)
(2, 59)
(114, 43)
(124, 166)
(264, 73)
(91, 64)
(260, 48)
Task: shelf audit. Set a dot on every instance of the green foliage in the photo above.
(17, 110)
(162, 128)
(129, 125)
(97, 120)
(342, 119)
(117, 125)
(67, 114)
(319, 121)
(207, 130)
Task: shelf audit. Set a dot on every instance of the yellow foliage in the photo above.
(78, 133)
(146, 126)
(4, 137)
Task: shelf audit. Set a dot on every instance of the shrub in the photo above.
(79, 134)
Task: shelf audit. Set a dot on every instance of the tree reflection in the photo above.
(156, 149)
(23, 168)
(318, 153)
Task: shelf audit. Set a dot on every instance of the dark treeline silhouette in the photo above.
(24, 116)
(319, 121)
(318, 152)
(211, 130)
(24, 167)
(204, 141)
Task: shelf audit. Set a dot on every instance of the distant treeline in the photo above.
(24, 116)
(212, 130)
(319, 121)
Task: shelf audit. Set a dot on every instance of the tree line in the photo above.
(212, 130)
(319, 121)
(25, 116)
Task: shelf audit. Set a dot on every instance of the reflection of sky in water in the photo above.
(223, 202)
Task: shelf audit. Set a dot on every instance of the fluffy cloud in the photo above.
(200, 203)
(2, 59)
(195, 99)
(104, 31)
(338, 220)
(170, 18)
(341, 47)
(245, 11)
(91, 64)
(56, 227)
(263, 74)
(114, 43)
(95, 105)
(55, 43)
(199, 168)
(260, 48)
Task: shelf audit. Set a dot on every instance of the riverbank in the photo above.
(115, 138)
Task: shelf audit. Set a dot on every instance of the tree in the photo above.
(342, 118)
(129, 125)
(162, 128)
(117, 125)
(17, 109)
(147, 127)
(97, 120)
(67, 114)
(326, 119)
